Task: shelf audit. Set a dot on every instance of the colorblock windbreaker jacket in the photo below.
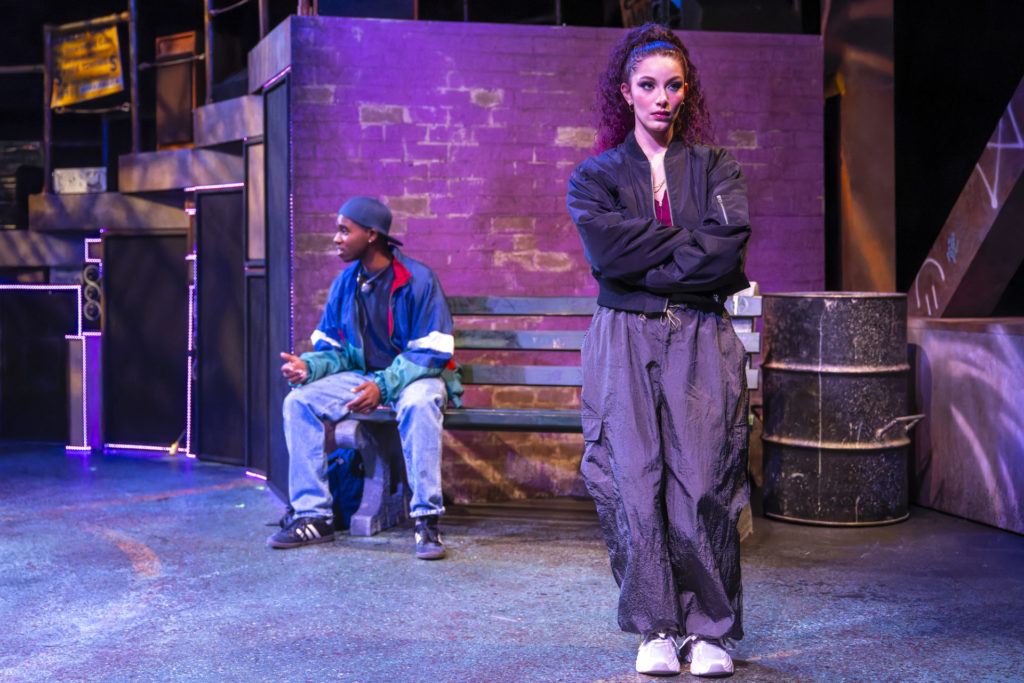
(419, 327)
(641, 265)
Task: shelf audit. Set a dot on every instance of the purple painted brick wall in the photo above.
(469, 133)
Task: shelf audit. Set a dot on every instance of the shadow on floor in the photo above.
(116, 568)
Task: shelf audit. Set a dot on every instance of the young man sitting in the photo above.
(384, 338)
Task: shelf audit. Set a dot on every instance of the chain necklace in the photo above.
(657, 163)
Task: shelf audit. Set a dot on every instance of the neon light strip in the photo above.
(85, 392)
(88, 241)
(136, 447)
(85, 388)
(219, 186)
(275, 79)
(55, 287)
(188, 368)
(255, 475)
(291, 232)
(189, 356)
(78, 449)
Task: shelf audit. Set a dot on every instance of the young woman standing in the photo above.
(663, 219)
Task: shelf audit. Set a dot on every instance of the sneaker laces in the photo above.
(662, 635)
(686, 643)
(724, 643)
(426, 533)
(304, 521)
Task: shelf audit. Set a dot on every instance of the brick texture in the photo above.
(469, 133)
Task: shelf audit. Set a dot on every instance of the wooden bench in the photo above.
(385, 493)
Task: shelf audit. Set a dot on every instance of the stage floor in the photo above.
(116, 568)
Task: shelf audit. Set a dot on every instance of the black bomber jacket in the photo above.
(643, 266)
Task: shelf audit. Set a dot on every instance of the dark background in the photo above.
(956, 65)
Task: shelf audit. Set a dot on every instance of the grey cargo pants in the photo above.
(665, 425)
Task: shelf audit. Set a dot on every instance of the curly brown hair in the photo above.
(693, 122)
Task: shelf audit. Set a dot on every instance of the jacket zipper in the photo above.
(391, 312)
(721, 205)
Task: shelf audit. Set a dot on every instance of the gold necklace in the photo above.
(657, 188)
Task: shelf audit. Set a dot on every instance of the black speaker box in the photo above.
(34, 363)
(145, 338)
(219, 393)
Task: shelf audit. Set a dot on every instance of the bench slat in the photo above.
(526, 375)
(751, 341)
(569, 340)
(499, 419)
(741, 305)
(522, 305)
(753, 377)
(513, 420)
(564, 340)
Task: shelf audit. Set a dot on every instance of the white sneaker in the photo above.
(658, 655)
(708, 658)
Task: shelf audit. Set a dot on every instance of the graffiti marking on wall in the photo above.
(999, 146)
(952, 247)
(934, 295)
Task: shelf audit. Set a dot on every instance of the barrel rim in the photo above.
(824, 522)
(836, 446)
(835, 369)
(834, 295)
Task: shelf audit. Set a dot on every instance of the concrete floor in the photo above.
(117, 568)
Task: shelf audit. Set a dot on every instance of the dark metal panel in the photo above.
(220, 300)
(278, 174)
(255, 203)
(256, 354)
(33, 363)
(145, 337)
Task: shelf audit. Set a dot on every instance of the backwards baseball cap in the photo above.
(370, 214)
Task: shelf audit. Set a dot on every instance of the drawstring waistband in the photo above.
(670, 316)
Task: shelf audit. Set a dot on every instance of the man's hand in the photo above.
(367, 400)
(294, 368)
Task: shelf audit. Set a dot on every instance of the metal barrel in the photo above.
(835, 401)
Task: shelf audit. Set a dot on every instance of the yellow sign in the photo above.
(86, 65)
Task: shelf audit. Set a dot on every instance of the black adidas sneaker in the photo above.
(303, 531)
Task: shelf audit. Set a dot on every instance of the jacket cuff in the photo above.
(378, 378)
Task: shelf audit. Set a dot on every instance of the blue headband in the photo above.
(658, 44)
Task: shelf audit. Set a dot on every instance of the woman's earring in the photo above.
(631, 106)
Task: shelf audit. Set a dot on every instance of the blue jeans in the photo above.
(419, 408)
